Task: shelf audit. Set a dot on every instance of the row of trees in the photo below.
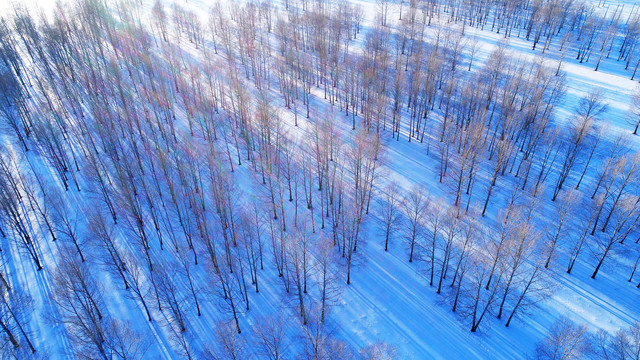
(590, 32)
(568, 340)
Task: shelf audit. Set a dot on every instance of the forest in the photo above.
(320, 179)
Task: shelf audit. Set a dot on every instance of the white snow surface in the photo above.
(390, 299)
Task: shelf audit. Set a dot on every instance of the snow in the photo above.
(390, 299)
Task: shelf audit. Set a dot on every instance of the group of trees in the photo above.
(478, 270)
(191, 159)
(590, 32)
(567, 340)
(109, 170)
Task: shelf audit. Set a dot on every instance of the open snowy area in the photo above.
(319, 179)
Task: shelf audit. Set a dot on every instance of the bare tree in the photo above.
(319, 342)
(389, 213)
(414, 205)
(230, 344)
(378, 351)
(628, 342)
(467, 245)
(588, 111)
(624, 344)
(93, 333)
(124, 343)
(556, 232)
(12, 210)
(298, 247)
(480, 302)
(80, 301)
(452, 229)
(635, 108)
(533, 287)
(497, 247)
(138, 282)
(435, 218)
(608, 166)
(383, 11)
(172, 300)
(271, 332)
(565, 340)
(15, 308)
(68, 222)
(586, 223)
(101, 235)
(626, 219)
(520, 249)
(327, 278)
(230, 292)
(188, 273)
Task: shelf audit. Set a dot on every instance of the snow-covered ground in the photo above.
(389, 298)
